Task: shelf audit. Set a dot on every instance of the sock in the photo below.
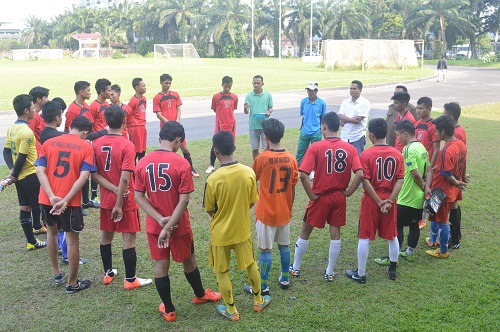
(27, 225)
(285, 262)
(413, 235)
(93, 185)
(85, 193)
(130, 261)
(212, 157)
(434, 231)
(35, 213)
(265, 261)
(226, 291)
(300, 250)
(254, 280)
(187, 156)
(459, 223)
(363, 250)
(444, 235)
(393, 249)
(64, 246)
(163, 289)
(107, 259)
(333, 254)
(194, 280)
(455, 226)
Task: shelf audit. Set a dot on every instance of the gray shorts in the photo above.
(256, 138)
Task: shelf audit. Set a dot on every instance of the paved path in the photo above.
(469, 86)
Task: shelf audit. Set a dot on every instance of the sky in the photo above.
(21, 9)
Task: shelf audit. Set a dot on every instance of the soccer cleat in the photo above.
(59, 252)
(42, 230)
(383, 261)
(82, 261)
(409, 258)
(87, 205)
(422, 224)
(437, 253)
(454, 246)
(109, 276)
(222, 310)
(59, 278)
(295, 273)
(284, 284)
(138, 282)
(80, 285)
(329, 277)
(391, 273)
(169, 316)
(39, 244)
(210, 296)
(248, 290)
(353, 274)
(95, 203)
(210, 169)
(195, 174)
(84, 212)
(430, 244)
(257, 307)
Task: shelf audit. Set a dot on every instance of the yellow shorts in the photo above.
(219, 256)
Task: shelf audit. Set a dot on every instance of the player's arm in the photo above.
(179, 111)
(304, 178)
(396, 189)
(60, 206)
(436, 146)
(161, 117)
(117, 212)
(371, 192)
(355, 183)
(346, 119)
(97, 134)
(103, 182)
(269, 110)
(428, 180)
(45, 183)
(417, 177)
(174, 220)
(18, 166)
(7, 156)
(454, 181)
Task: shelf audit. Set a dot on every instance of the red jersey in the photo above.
(36, 125)
(382, 166)
(167, 105)
(451, 161)
(138, 107)
(333, 160)
(224, 106)
(128, 118)
(97, 109)
(164, 175)
(114, 154)
(64, 157)
(407, 116)
(460, 134)
(75, 110)
(425, 132)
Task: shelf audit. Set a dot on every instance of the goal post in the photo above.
(176, 55)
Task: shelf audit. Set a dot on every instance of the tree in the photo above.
(347, 20)
(36, 33)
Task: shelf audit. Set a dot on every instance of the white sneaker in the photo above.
(311, 176)
(210, 169)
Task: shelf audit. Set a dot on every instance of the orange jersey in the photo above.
(75, 110)
(277, 171)
(451, 162)
(224, 106)
(460, 134)
(425, 132)
(167, 104)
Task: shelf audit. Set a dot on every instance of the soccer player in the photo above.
(391, 116)
(20, 154)
(167, 106)
(78, 106)
(230, 193)
(63, 167)
(401, 101)
(137, 123)
(453, 109)
(383, 168)
(115, 162)
(223, 104)
(411, 197)
(277, 171)
(167, 180)
(333, 160)
(425, 131)
(114, 98)
(449, 175)
(40, 96)
(259, 101)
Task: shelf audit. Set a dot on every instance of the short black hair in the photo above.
(81, 123)
(403, 97)
(223, 141)
(114, 116)
(446, 123)
(259, 76)
(21, 103)
(378, 127)
(406, 126)
(102, 84)
(61, 102)
(358, 83)
(402, 87)
(39, 92)
(136, 81)
(227, 79)
(274, 129)
(50, 110)
(171, 130)
(332, 121)
(426, 101)
(165, 77)
(81, 85)
(453, 109)
(116, 88)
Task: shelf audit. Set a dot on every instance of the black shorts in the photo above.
(71, 220)
(28, 190)
(408, 215)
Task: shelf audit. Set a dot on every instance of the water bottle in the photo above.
(4, 183)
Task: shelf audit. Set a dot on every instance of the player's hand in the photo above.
(268, 114)
(359, 118)
(54, 200)
(163, 221)
(386, 207)
(462, 185)
(246, 108)
(427, 192)
(164, 237)
(467, 178)
(11, 179)
(125, 195)
(59, 207)
(116, 214)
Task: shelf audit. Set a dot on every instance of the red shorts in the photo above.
(130, 223)
(232, 130)
(459, 196)
(181, 246)
(328, 208)
(371, 220)
(442, 216)
(138, 135)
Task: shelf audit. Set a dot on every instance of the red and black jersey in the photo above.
(332, 161)
(425, 132)
(407, 116)
(114, 154)
(167, 104)
(75, 110)
(97, 109)
(460, 134)
(451, 162)
(128, 119)
(138, 107)
(164, 175)
(224, 106)
(382, 166)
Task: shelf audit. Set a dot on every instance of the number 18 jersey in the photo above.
(332, 160)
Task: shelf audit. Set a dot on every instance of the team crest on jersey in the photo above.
(419, 135)
(227, 104)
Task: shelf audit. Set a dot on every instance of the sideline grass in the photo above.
(59, 76)
(460, 293)
(467, 63)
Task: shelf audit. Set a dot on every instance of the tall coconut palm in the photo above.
(36, 32)
(347, 19)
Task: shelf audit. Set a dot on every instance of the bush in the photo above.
(9, 44)
(118, 55)
(149, 55)
(145, 46)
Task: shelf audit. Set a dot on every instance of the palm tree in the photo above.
(36, 32)
(347, 19)
(297, 22)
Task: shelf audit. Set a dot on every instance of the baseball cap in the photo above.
(312, 85)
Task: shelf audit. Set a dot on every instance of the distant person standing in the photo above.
(391, 116)
(441, 68)
(353, 116)
(137, 130)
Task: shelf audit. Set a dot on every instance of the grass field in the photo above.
(467, 63)
(459, 294)
(59, 76)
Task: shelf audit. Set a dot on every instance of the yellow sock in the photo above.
(254, 280)
(226, 290)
